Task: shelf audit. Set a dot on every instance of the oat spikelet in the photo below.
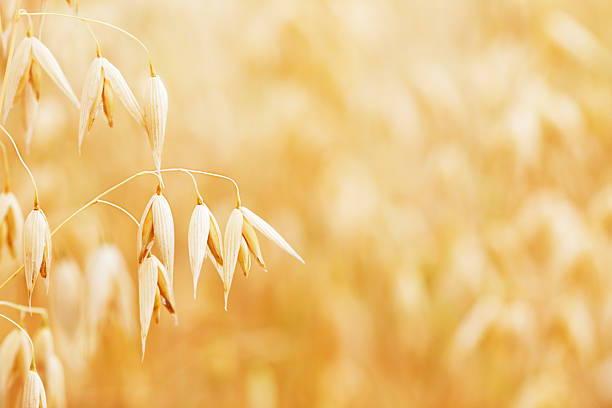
(155, 116)
(165, 287)
(11, 222)
(250, 238)
(269, 232)
(17, 74)
(36, 248)
(203, 240)
(157, 227)
(147, 288)
(30, 56)
(33, 394)
(231, 246)
(244, 259)
(102, 82)
(90, 98)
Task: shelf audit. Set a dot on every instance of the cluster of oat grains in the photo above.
(32, 366)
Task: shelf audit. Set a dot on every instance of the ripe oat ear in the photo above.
(231, 246)
(250, 238)
(197, 238)
(163, 227)
(147, 287)
(90, 98)
(50, 65)
(18, 70)
(30, 113)
(36, 247)
(269, 232)
(155, 116)
(122, 91)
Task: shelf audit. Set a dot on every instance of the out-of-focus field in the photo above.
(444, 167)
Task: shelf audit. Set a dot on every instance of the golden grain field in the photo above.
(443, 167)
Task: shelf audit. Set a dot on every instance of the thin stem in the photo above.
(123, 210)
(195, 185)
(24, 165)
(37, 310)
(27, 335)
(43, 8)
(221, 176)
(10, 54)
(7, 182)
(92, 20)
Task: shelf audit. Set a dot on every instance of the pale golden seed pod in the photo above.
(244, 259)
(269, 232)
(147, 289)
(155, 116)
(90, 98)
(36, 248)
(231, 246)
(157, 227)
(35, 77)
(248, 233)
(33, 394)
(214, 241)
(197, 238)
(157, 305)
(122, 90)
(108, 102)
(28, 50)
(11, 220)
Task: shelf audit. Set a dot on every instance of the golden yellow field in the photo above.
(444, 168)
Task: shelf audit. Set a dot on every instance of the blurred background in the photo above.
(444, 168)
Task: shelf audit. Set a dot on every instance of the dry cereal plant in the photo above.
(443, 166)
(31, 373)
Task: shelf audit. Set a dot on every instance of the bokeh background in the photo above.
(444, 167)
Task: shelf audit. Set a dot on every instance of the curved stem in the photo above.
(7, 182)
(37, 310)
(221, 176)
(9, 59)
(120, 208)
(27, 335)
(24, 165)
(195, 185)
(93, 20)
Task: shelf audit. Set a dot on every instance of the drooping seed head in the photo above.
(36, 248)
(157, 228)
(198, 238)
(155, 116)
(91, 97)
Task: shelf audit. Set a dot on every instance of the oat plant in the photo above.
(34, 364)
